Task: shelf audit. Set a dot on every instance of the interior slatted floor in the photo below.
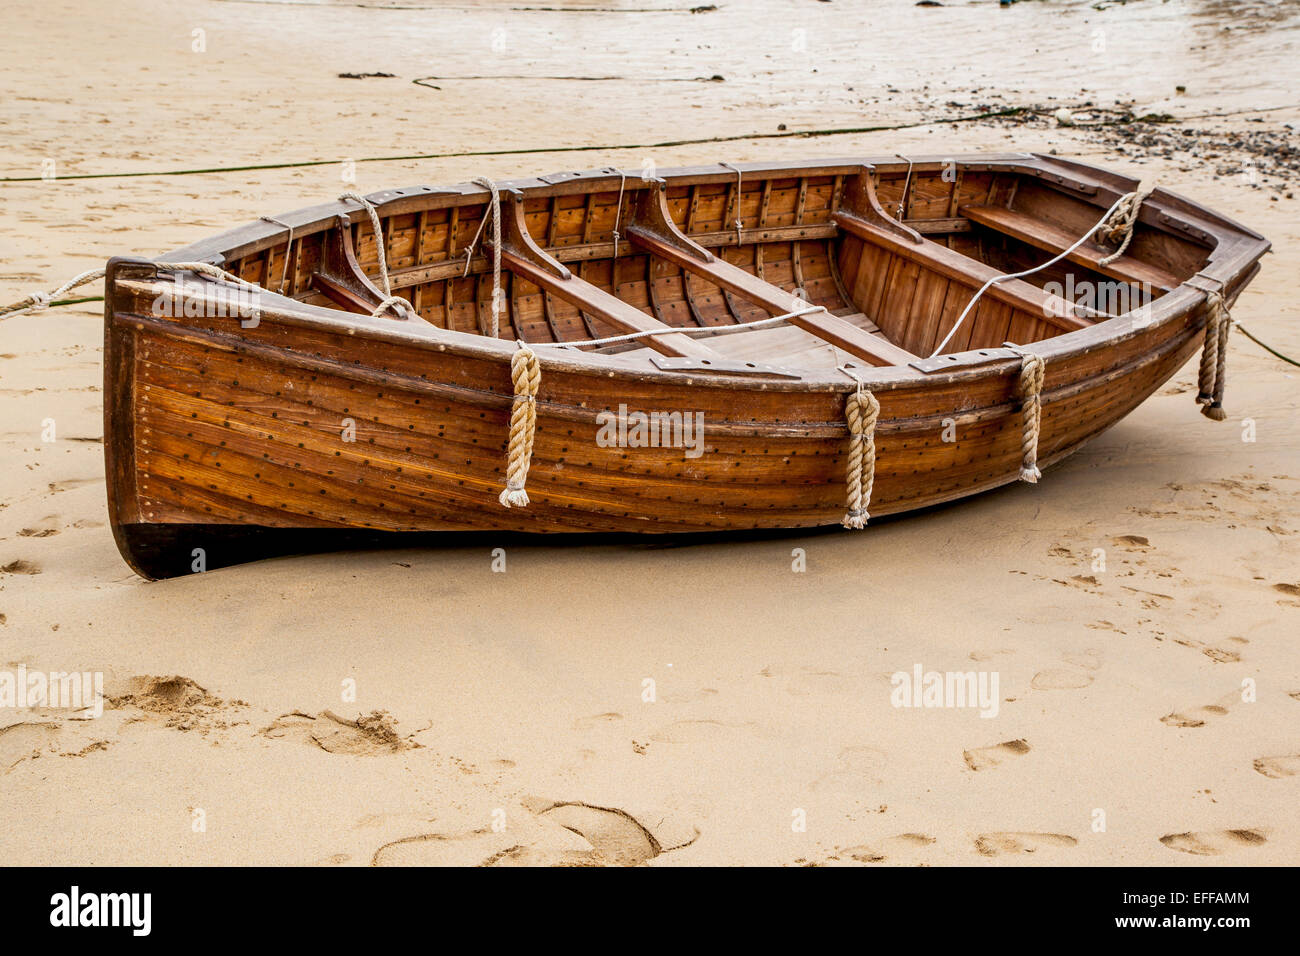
(786, 232)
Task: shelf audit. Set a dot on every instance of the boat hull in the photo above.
(233, 439)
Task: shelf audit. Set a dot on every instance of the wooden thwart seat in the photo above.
(653, 230)
(1016, 293)
(522, 256)
(1054, 239)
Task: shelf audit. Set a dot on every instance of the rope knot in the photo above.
(525, 376)
(1118, 226)
(391, 302)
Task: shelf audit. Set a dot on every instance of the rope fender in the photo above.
(861, 411)
(1030, 388)
(526, 376)
(1214, 358)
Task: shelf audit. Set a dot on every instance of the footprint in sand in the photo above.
(896, 849)
(177, 702)
(1287, 765)
(1197, 716)
(557, 834)
(1076, 675)
(1060, 678)
(70, 737)
(1222, 655)
(46, 527)
(467, 848)
(615, 836)
(21, 566)
(705, 731)
(70, 483)
(1131, 542)
(1213, 842)
(1085, 581)
(598, 720)
(1292, 591)
(984, 758)
(19, 742)
(1005, 844)
(374, 733)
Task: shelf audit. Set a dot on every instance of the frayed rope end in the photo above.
(514, 498)
(855, 520)
(1030, 475)
(1214, 411)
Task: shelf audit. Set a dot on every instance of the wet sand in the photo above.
(519, 699)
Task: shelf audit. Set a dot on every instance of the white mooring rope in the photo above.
(1123, 201)
(389, 299)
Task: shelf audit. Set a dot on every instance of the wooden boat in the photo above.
(229, 436)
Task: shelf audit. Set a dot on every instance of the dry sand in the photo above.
(518, 699)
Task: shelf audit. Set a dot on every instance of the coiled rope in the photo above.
(1030, 388)
(1214, 358)
(526, 376)
(1119, 225)
(861, 411)
(389, 300)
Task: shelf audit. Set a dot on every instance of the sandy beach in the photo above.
(724, 703)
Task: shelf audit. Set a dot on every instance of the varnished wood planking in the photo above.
(434, 421)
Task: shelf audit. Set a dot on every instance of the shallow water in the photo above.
(1232, 54)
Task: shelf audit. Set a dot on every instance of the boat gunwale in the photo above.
(1235, 251)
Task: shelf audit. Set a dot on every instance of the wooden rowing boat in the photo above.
(238, 428)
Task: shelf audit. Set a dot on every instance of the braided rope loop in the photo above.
(861, 412)
(526, 376)
(391, 302)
